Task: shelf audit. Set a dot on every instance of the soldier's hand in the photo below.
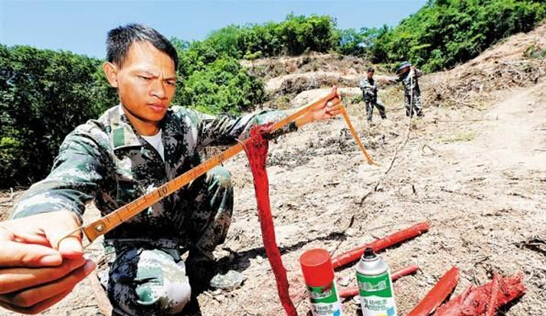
(33, 274)
(46, 229)
(325, 110)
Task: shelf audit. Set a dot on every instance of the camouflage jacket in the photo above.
(369, 89)
(409, 80)
(105, 160)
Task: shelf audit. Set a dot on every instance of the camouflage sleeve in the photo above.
(367, 89)
(418, 73)
(224, 129)
(363, 83)
(76, 174)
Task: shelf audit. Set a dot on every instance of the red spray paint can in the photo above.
(318, 274)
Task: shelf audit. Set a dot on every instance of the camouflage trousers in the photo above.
(378, 104)
(148, 278)
(416, 107)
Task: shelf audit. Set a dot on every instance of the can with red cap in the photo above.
(318, 274)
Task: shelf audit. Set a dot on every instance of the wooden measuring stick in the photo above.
(355, 135)
(105, 224)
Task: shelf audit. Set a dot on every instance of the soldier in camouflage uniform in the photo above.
(407, 74)
(369, 93)
(137, 146)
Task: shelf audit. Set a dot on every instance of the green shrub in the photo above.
(43, 96)
(222, 86)
(294, 36)
(445, 33)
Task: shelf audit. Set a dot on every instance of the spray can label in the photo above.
(325, 300)
(376, 294)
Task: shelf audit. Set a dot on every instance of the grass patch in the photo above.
(282, 103)
(466, 136)
(534, 51)
(391, 95)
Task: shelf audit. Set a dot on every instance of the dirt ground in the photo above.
(478, 176)
(476, 173)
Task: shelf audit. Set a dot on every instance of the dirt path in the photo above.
(479, 177)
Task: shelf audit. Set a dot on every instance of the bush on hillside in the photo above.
(43, 96)
(222, 86)
(447, 32)
(294, 36)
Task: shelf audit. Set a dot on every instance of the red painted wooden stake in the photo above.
(438, 294)
(380, 244)
(477, 300)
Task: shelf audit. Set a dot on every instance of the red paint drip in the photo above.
(256, 151)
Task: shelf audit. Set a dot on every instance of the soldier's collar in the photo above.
(123, 134)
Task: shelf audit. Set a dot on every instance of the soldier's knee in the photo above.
(222, 177)
(160, 286)
(170, 298)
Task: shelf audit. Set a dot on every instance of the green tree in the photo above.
(44, 95)
(445, 33)
(222, 86)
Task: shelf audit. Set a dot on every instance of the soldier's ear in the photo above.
(111, 72)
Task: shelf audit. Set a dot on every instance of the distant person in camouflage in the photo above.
(134, 147)
(408, 74)
(369, 93)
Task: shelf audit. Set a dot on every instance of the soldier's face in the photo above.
(146, 82)
(370, 74)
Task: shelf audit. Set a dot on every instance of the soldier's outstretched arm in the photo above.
(43, 215)
(395, 79)
(225, 129)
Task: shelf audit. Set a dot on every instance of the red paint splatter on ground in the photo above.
(256, 150)
(475, 300)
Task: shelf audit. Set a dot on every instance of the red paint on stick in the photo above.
(403, 272)
(380, 244)
(256, 151)
(353, 291)
(474, 302)
(491, 307)
(438, 294)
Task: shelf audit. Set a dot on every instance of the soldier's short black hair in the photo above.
(120, 39)
(370, 69)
